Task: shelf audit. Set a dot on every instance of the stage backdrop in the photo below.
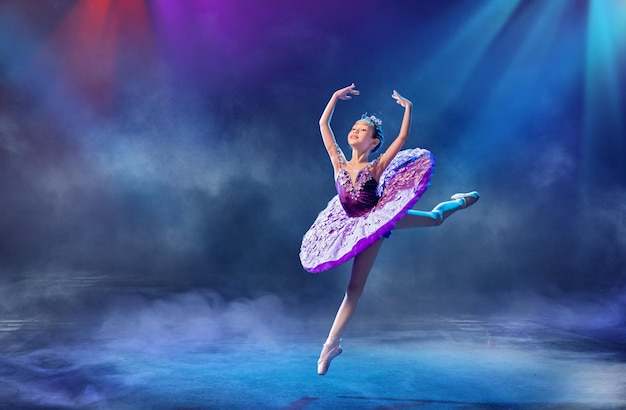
(158, 149)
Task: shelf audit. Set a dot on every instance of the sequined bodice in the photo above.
(360, 197)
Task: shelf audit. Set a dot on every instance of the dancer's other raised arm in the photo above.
(403, 134)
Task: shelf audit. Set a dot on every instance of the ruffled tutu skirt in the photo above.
(336, 237)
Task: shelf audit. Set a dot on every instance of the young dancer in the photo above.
(373, 198)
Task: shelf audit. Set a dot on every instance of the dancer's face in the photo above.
(362, 135)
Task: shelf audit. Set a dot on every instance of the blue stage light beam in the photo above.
(453, 64)
(534, 79)
(604, 146)
(533, 57)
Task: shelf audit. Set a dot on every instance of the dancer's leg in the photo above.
(417, 219)
(360, 270)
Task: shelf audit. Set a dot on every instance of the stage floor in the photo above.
(434, 363)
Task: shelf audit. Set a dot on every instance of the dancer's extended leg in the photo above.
(360, 270)
(417, 219)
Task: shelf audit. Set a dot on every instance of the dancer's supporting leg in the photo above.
(360, 270)
(363, 264)
(418, 219)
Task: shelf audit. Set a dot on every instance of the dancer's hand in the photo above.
(347, 93)
(401, 100)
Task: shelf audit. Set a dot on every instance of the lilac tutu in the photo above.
(336, 237)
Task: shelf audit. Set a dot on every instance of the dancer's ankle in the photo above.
(332, 341)
(466, 199)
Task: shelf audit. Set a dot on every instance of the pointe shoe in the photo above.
(468, 198)
(324, 361)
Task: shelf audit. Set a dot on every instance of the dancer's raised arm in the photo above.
(403, 135)
(327, 133)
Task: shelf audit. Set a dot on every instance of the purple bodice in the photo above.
(360, 197)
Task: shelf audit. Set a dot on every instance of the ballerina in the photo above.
(373, 198)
